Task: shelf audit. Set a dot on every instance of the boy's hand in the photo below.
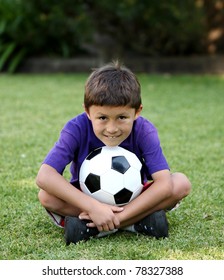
(102, 217)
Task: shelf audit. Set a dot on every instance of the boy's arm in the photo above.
(147, 202)
(55, 184)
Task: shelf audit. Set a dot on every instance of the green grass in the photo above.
(188, 112)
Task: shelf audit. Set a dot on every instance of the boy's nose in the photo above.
(112, 128)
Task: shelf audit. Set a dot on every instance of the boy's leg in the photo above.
(56, 208)
(65, 216)
(56, 205)
(57, 219)
(181, 188)
(154, 222)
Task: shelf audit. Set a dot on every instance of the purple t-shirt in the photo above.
(77, 140)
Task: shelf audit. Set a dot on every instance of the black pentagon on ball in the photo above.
(120, 164)
(94, 153)
(123, 196)
(92, 182)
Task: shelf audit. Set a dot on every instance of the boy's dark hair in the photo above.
(112, 85)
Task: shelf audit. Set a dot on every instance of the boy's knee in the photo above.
(183, 185)
(51, 202)
(186, 185)
(44, 198)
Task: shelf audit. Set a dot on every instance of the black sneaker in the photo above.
(76, 230)
(155, 225)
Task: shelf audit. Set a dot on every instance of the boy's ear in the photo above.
(86, 110)
(138, 112)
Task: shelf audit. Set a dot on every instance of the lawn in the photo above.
(188, 112)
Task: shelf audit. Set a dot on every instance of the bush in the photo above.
(149, 27)
(40, 28)
(108, 28)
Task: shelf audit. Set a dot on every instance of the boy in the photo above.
(112, 104)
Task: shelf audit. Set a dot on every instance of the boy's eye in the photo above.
(102, 118)
(122, 117)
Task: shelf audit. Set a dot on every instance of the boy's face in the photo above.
(112, 125)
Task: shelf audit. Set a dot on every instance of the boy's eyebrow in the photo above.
(120, 114)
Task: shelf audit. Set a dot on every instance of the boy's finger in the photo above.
(90, 224)
(84, 216)
(117, 209)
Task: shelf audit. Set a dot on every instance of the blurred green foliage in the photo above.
(150, 27)
(40, 28)
(70, 28)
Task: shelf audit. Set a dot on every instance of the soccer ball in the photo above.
(111, 175)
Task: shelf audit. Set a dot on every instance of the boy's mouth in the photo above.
(112, 137)
(112, 140)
